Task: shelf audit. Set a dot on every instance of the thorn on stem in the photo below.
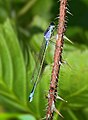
(57, 18)
(67, 39)
(65, 62)
(69, 13)
(60, 63)
(58, 97)
(55, 110)
(44, 118)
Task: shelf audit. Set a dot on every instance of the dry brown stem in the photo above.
(57, 60)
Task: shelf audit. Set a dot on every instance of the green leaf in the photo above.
(13, 73)
(26, 117)
(19, 82)
(6, 62)
(73, 84)
(16, 117)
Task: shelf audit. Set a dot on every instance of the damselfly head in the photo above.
(52, 25)
(49, 31)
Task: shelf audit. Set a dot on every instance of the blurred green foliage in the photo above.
(22, 23)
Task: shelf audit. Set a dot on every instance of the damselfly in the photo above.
(37, 71)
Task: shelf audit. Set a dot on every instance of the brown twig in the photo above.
(57, 62)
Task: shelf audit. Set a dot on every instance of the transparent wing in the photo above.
(38, 68)
(38, 62)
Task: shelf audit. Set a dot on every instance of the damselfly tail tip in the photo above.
(30, 97)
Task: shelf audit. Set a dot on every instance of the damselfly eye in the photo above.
(52, 24)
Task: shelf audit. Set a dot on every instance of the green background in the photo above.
(22, 25)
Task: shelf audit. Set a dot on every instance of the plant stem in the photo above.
(57, 62)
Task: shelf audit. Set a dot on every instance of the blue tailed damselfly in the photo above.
(47, 36)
